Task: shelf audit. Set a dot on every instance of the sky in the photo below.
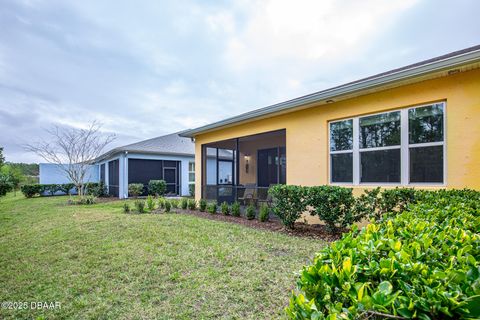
(149, 68)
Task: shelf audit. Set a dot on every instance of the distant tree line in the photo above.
(13, 175)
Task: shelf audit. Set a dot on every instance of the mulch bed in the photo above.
(315, 231)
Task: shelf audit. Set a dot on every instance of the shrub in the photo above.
(85, 200)
(6, 185)
(192, 204)
(202, 205)
(420, 263)
(184, 203)
(66, 188)
(333, 205)
(168, 206)
(51, 189)
(236, 209)
(288, 203)
(139, 206)
(212, 207)
(161, 203)
(396, 199)
(191, 190)
(264, 213)
(157, 187)
(368, 203)
(126, 207)
(175, 203)
(376, 203)
(31, 190)
(250, 212)
(135, 189)
(150, 203)
(97, 189)
(225, 208)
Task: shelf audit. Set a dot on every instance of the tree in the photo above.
(73, 150)
(2, 158)
(5, 183)
(13, 175)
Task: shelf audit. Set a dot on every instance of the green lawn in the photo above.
(101, 263)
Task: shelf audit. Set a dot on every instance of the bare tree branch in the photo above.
(73, 150)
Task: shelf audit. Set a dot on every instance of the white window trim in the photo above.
(189, 172)
(404, 150)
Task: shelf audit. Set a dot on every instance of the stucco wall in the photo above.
(52, 174)
(307, 130)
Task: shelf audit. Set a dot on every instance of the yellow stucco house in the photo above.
(418, 125)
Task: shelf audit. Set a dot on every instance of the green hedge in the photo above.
(421, 263)
(91, 188)
(336, 206)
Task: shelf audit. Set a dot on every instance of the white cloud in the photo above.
(222, 21)
(309, 31)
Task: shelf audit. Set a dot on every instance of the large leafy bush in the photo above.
(135, 189)
(157, 187)
(6, 184)
(333, 205)
(289, 202)
(421, 263)
(96, 189)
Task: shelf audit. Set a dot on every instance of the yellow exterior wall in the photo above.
(307, 130)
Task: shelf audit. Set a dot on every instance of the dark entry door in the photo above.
(267, 168)
(170, 177)
(113, 178)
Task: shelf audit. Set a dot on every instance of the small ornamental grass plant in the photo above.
(139, 206)
(175, 203)
(264, 213)
(150, 203)
(192, 204)
(250, 212)
(212, 207)
(236, 209)
(184, 203)
(225, 208)
(85, 200)
(202, 205)
(168, 206)
(126, 207)
(161, 203)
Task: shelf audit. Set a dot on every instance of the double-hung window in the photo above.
(397, 147)
(191, 172)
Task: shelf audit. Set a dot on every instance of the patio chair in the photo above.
(249, 195)
(264, 196)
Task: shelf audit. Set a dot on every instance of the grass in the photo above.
(101, 263)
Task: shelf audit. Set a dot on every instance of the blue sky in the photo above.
(148, 68)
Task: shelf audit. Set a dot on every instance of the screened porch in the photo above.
(242, 169)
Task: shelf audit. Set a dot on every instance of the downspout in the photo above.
(125, 176)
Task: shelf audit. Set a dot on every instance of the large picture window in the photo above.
(398, 147)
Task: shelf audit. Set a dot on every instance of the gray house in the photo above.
(170, 158)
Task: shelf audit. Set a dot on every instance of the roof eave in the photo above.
(114, 152)
(351, 88)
